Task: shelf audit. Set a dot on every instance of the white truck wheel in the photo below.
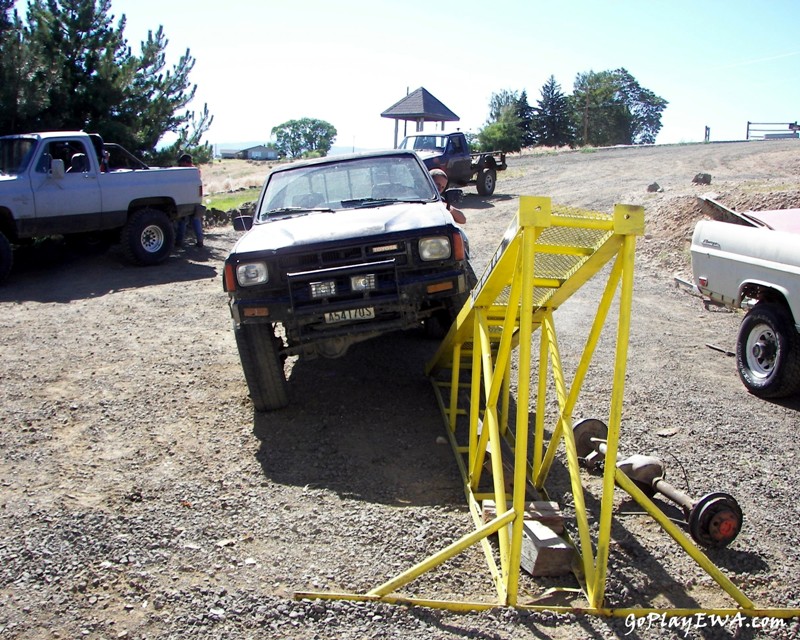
(148, 237)
(768, 352)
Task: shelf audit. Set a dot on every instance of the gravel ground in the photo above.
(143, 498)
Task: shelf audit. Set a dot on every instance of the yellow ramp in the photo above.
(546, 255)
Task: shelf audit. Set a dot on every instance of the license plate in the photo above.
(364, 313)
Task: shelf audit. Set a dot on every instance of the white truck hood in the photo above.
(341, 224)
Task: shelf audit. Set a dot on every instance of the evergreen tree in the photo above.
(526, 114)
(24, 79)
(90, 79)
(552, 126)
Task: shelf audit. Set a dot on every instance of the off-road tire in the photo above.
(768, 351)
(148, 237)
(6, 257)
(439, 323)
(487, 179)
(262, 365)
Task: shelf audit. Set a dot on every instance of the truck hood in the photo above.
(342, 224)
(428, 154)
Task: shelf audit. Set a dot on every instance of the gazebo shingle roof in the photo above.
(420, 105)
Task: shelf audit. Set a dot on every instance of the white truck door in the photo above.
(72, 203)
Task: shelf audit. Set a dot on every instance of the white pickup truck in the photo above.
(755, 263)
(71, 183)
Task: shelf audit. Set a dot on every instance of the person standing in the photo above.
(185, 160)
(440, 179)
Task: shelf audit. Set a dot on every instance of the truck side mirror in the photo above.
(242, 222)
(57, 170)
(453, 196)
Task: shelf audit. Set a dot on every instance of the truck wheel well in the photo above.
(7, 226)
(167, 205)
(763, 293)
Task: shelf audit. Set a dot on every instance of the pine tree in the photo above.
(526, 113)
(91, 80)
(552, 126)
(24, 80)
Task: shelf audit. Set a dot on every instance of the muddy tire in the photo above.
(262, 365)
(148, 238)
(768, 352)
(6, 257)
(487, 179)
(439, 323)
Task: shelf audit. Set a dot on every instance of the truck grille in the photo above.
(383, 274)
(342, 256)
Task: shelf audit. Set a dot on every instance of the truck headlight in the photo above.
(252, 273)
(435, 248)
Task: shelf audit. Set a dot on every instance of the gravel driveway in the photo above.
(143, 498)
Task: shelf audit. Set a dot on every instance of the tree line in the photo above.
(606, 108)
(68, 66)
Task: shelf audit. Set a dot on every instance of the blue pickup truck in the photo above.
(450, 152)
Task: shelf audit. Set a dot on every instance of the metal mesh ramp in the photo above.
(546, 255)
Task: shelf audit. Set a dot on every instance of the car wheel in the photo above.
(439, 323)
(6, 257)
(148, 237)
(259, 352)
(486, 182)
(768, 352)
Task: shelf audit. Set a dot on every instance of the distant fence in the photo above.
(772, 130)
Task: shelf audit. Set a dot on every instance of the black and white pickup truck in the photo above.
(340, 250)
(71, 183)
(753, 262)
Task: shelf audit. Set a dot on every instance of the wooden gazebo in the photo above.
(419, 106)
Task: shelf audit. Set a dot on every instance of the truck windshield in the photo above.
(345, 184)
(15, 155)
(424, 143)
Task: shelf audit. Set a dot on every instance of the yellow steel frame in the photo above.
(544, 258)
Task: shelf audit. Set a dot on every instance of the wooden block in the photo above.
(548, 513)
(544, 552)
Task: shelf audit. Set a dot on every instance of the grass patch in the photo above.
(228, 201)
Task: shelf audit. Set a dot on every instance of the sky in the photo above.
(718, 63)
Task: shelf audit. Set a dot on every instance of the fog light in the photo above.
(324, 289)
(364, 282)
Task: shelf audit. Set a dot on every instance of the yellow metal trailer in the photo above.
(545, 256)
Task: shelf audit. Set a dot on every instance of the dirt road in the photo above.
(143, 498)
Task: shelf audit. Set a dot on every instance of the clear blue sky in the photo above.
(260, 63)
